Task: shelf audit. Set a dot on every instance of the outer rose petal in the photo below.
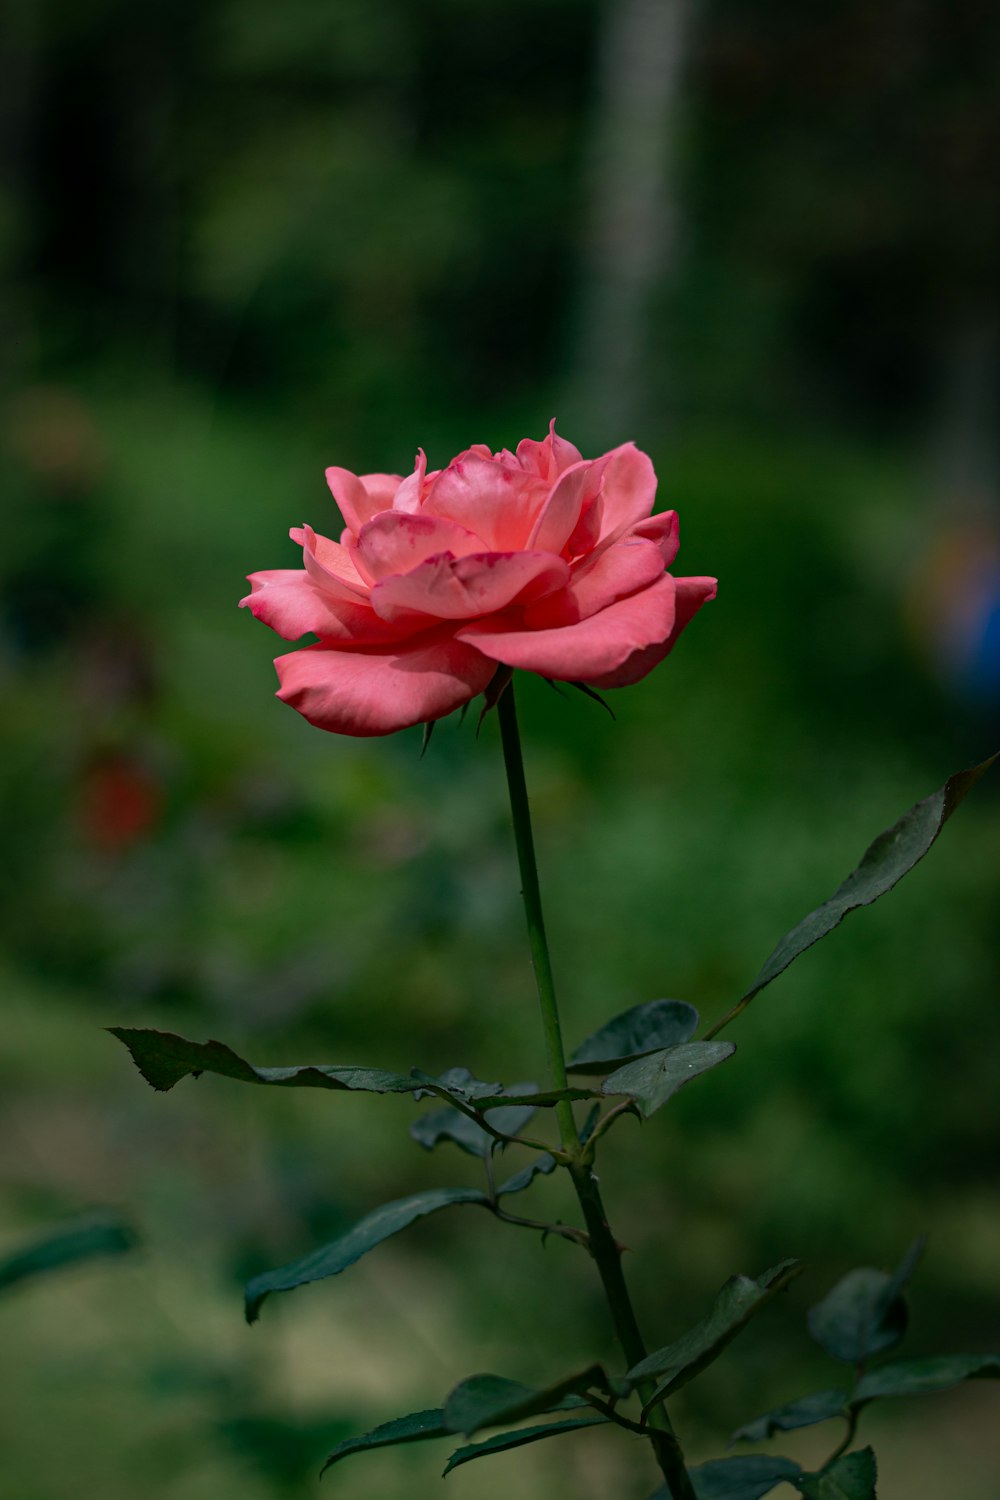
(459, 588)
(624, 568)
(289, 601)
(497, 501)
(354, 502)
(377, 690)
(589, 649)
(629, 489)
(395, 542)
(329, 565)
(662, 529)
(692, 593)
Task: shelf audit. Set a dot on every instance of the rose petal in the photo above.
(395, 542)
(549, 457)
(622, 569)
(381, 489)
(587, 531)
(460, 588)
(378, 690)
(411, 492)
(354, 502)
(289, 601)
(662, 529)
(589, 649)
(497, 501)
(692, 593)
(629, 489)
(329, 564)
(561, 510)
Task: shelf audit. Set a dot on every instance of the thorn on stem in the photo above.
(494, 691)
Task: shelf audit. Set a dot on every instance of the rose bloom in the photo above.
(538, 559)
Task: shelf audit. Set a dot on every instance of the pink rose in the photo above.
(536, 559)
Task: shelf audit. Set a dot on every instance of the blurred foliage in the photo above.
(241, 242)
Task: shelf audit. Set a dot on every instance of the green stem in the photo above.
(730, 1015)
(532, 896)
(603, 1246)
(607, 1254)
(851, 1419)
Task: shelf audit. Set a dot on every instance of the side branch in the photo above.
(479, 1117)
(565, 1231)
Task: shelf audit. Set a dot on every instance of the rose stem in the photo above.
(604, 1248)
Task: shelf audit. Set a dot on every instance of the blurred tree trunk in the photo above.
(19, 52)
(966, 455)
(630, 234)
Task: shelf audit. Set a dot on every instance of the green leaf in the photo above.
(472, 1402)
(903, 1273)
(735, 1305)
(502, 1441)
(542, 1165)
(855, 1321)
(450, 1124)
(924, 1377)
(892, 855)
(454, 1081)
(164, 1059)
(331, 1259)
(511, 1119)
(851, 1477)
(636, 1032)
(864, 1313)
(546, 1098)
(416, 1428)
(740, 1478)
(80, 1241)
(459, 1083)
(805, 1412)
(652, 1080)
(493, 1401)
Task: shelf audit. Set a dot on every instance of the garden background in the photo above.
(243, 241)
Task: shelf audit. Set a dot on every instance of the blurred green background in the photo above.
(242, 241)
